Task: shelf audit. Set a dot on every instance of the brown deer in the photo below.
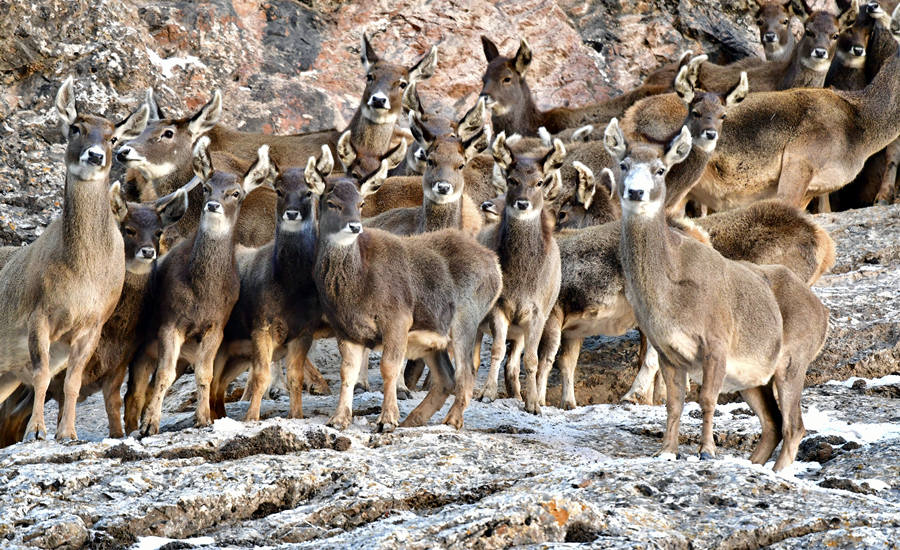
(774, 21)
(848, 69)
(199, 282)
(729, 325)
(278, 309)
(437, 287)
(141, 225)
(506, 91)
(56, 293)
(529, 260)
(815, 141)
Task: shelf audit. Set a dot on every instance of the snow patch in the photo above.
(228, 426)
(824, 424)
(875, 484)
(889, 380)
(152, 543)
(166, 65)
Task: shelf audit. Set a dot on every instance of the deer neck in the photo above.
(339, 269)
(799, 75)
(523, 242)
(524, 118)
(369, 136)
(647, 258)
(441, 216)
(89, 230)
(684, 175)
(878, 110)
(295, 253)
(167, 184)
(780, 52)
(211, 259)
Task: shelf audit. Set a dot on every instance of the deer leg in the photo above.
(219, 386)
(788, 382)
(762, 401)
(297, 350)
(659, 386)
(532, 339)
(112, 399)
(39, 349)
(82, 349)
(568, 359)
(260, 371)
(793, 182)
(889, 178)
(362, 384)
(413, 373)
(513, 362)
(438, 392)
(313, 379)
(351, 359)
(675, 388)
(499, 326)
(203, 372)
(402, 390)
(170, 341)
(641, 391)
(463, 344)
(139, 372)
(392, 357)
(713, 376)
(550, 340)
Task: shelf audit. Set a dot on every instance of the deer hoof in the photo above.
(35, 435)
(533, 408)
(359, 388)
(386, 427)
(319, 389)
(403, 393)
(706, 456)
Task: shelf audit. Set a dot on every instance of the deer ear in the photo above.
(473, 121)
(411, 101)
(608, 181)
(490, 49)
(693, 66)
(552, 185)
(207, 117)
(849, 11)
(614, 140)
(679, 149)
(739, 93)
(587, 185)
(345, 150)
(132, 126)
(325, 163)
(172, 207)
(372, 183)
(396, 155)
(420, 132)
(314, 180)
(262, 171)
(523, 58)
(498, 179)
(150, 100)
(501, 153)
(683, 86)
(367, 53)
(201, 160)
(583, 133)
(554, 159)
(116, 202)
(477, 144)
(65, 105)
(424, 69)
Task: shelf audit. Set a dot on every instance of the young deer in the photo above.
(513, 109)
(278, 308)
(848, 70)
(814, 142)
(729, 325)
(529, 260)
(774, 21)
(199, 283)
(435, 288)
(141, 227)
(56, 293)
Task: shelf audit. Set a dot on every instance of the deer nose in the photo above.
(710, 134)
(523, 204)
(148, 252)
(820, 53)
(443, 188)
(378, 101)
(858, 51)
(770, 37)
(213, 206)
(355, 227)
(94, 155)
(122, 154)
(291, 215)
(636, 194)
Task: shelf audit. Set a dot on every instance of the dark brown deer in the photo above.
(56, 293)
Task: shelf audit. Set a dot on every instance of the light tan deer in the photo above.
(56, 294)
(729, 325)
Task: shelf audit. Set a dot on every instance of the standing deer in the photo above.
(774, 21)
(415, 296)
(728, 325)
(56, 294)
(199, 283)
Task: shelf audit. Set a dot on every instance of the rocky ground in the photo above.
(509, 478)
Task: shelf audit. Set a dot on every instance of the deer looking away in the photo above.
(728, 325)
(437, 287)
(199, 282)
(56, 293)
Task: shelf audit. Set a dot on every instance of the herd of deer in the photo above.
(390, 250)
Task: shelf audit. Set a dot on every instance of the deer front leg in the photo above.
(713, 375)
(351, 356)
(362, 384)
(513, 361)
(39, 349)
(170, 341)
(532, 339)
(314, 381)
(674, 406)
(793, 182)
(498, 325)
(112, 399)
(82, 350)
(550, 341)
(641, 391)
(203, 372)
(889, 178)
(568, 359)
(297, 350)
(139, 373)
(260, 371)
(392, 358)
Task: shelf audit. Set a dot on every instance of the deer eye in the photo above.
(785, 21)
(370, 77)
(309, 193)
(168, 134)
(403, 84)
(207, 189)
(279, 192)
(563, 215)
(696, 114)
(361, 204)
(810, 33)
(660, 171)
(834, 37)
(130, 231)
(333, 205)
(540, 183)
(74, 130)
(460, 167)
(623, 166)
(430, 162)
(513, 181)
(236, 194)
(113, 140)
(723, 117)
(507, 80)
